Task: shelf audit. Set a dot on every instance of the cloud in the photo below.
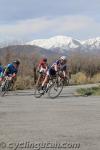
(14, 10)
(43, 25)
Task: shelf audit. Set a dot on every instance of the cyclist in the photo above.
(42, 68)
(12, 69)
(1, 72)
(59, 65)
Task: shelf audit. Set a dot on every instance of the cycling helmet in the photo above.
(63, 57)
(45, 59)
(17, 62)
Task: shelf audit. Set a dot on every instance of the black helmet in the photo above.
(45, 59)
(17, 62)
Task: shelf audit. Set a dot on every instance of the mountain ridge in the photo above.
(65, 43)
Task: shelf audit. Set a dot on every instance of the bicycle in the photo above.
(53, 88)
(6, 86)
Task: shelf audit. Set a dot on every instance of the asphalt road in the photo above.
(69, 122)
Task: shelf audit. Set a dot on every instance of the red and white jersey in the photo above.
(43, 66)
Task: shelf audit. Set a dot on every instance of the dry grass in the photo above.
(27, 82)
(81, 78)
(24, 83)
(96, 78)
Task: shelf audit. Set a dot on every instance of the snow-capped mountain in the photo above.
(64, 43)
(92, 43)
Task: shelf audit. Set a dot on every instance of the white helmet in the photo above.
(63, 57)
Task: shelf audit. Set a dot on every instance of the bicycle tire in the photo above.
(5, 88)
(37, 93)
(57, 86)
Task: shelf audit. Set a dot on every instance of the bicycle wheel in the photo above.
(55, 89)
(66, 82)
(4, 88)
(37, 92)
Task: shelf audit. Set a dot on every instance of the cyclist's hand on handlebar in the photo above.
(14, 75)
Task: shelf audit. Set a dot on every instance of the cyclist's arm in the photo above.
(68, 71)
(56, 67)
(14, 75)
(6, 70)
(65, 71)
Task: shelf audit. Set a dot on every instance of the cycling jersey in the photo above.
(42, 64)
(1, 71)
(10, 70)
(60, 66)
(42, 67)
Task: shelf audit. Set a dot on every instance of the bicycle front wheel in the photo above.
(37, 92)
(4, 88)
(55, 89)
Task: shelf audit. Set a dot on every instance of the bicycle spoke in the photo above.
(55, 90)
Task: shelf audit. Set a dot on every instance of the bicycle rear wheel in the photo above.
(55, 89)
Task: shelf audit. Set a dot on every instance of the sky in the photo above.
(26, 20)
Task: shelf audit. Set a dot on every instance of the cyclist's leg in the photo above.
(44, 83)
(38, 80)
(46, 79)
(50, 72)
(12, 83)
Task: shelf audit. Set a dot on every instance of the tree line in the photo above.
(86, 62)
